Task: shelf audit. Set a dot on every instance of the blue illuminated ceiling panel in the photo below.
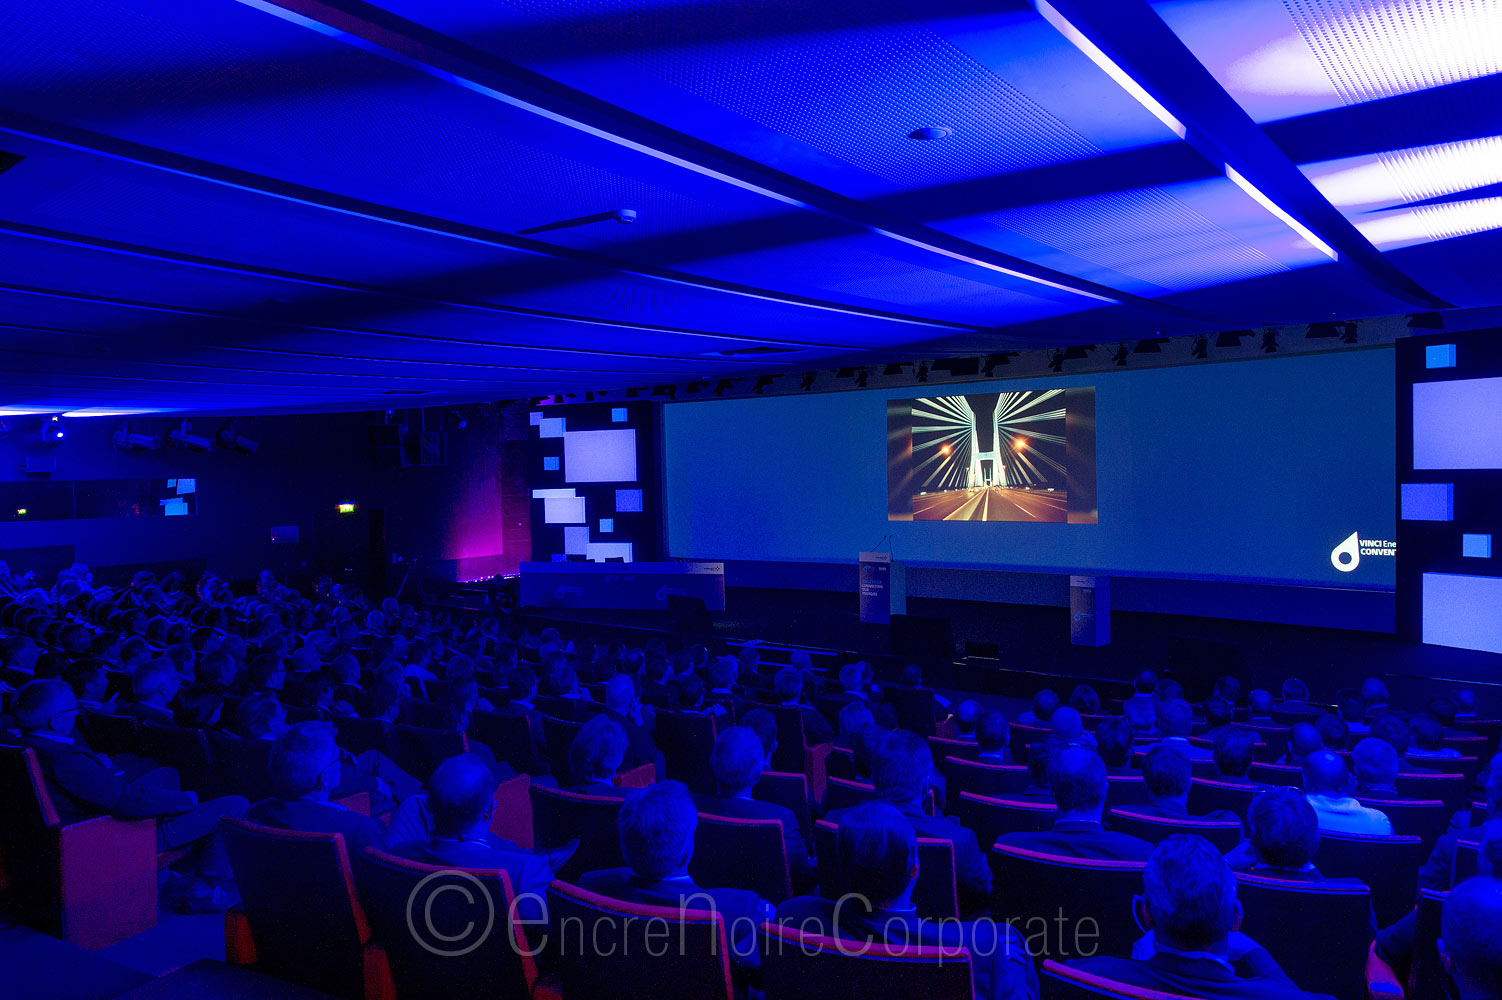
(272, 203)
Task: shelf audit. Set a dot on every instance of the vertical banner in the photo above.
(876, 587)
(1090, 610)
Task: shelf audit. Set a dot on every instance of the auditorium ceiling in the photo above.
(253, 205)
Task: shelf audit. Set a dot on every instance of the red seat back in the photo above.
(241, 766)
(557, 736)
(1062, 982)
(1021, 737)
(1388, 865)
(111, 734)
(1125, 790)
(1207, 795)
(1451, 789)
(983, 779)
(1034, 888)
(943, 748)
(735, 853)
(360, 735)
(445, 932)
(789, 790)
(1426, 819)
(1281, 914)
(298, 895)
(791, 738)
(612, 950)
(1277, 774)
(990, 817)
(1224, 834)
(186, 750)
(419, 750)
(686, 739)
(559, 816)
(799, 966)
(841, 793)
(509, 737)
(840, 764)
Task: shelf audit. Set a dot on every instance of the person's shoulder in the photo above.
(604, 880)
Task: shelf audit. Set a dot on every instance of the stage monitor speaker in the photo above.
(924, 641)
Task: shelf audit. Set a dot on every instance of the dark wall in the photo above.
(450, 518)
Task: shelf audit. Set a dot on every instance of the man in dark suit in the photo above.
(1468, 947)
(594, 757)
(622, 706)
(722, 673)
(878, 850)
(521, 688)
(788, 685)
(901, 766)
(1167, 774)
(1376, 767)
(153, 685)
(1176, 722)
(461, 801)
(1284, 834)
(1077, 778)
(83, 784)
(1113, 741)
(737, 764)
(306, 765)
(1374, 698)
(1190, 906)
(657, 828)
(993, 738)
(1232, 752)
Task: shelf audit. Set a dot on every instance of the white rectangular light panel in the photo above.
(599, 456)
(563, 510)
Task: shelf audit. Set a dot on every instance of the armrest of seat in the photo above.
(637, 777)
(379, 985)
(239, 943)
(107, 880)
(512, 819)
(1381, 981)
(948, 729)
(815, 768)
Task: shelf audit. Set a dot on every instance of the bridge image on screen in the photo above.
(993, 456)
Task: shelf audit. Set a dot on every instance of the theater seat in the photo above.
(1224, 834)
(789, 791)
(299, 918)
(1426, 976)
(961, 775)
(686, 739)
(1284, 915)
(433, 957)
(1036, 888)
(510, 738)
(1425, 819)
(1277, 774)
(799, 966)
(559, 816)
(1207, 795)
(612, 950)
(1060, 982)
(749, 854)
(842, 794)
(1125, 790)
(943, 747)
(989, 817)
(90, 883)
(1388, 865)
(419, 750)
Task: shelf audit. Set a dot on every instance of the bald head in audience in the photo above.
(1470, 944)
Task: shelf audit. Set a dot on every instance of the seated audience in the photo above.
(1296, 697)
(1044, 703)
(1232, 751)
(1469, 945)
(1392, 729)
(1113, 741)
(1332, 732)
(966, 715)
(1084, 700)
(84, 784)
(788, 685)
(1283, 834)
(993, 738)
(594, 757)
(1374, 698)
(1176, 722)
(1259, 708)
(853, 680)
(461, 801)
(901, 767)
(1167, 773)
(737, 765)
(1077, 778)
(200, 706)
(854, 717)
(1189, 905)
(1376, 767)
(621, 706)
(878, 852)
(1218, 714)
(1146, 682)
(1303, 740)
(1466, 703)
(1427, 738)
(90, 682)
(1327, 786)
(761, 722)
(1066, 725)
(657, 827)
(153, 685)
(1353, 713)
(306, 767)
(1141, 715)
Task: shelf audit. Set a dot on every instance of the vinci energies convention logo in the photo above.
(1347, 555)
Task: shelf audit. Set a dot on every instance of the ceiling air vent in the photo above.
(744, 352)
(405, 392)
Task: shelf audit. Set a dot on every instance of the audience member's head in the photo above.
(764, 725)
(1218, 712)
(1425, 733)
(1443, 710)
(521, 684)
(198, 706)
(597, 750)
(878, 853)
(1113, 741)
(1283, 828)
(461, 797)
(88, 679)
(901, 766)
(1376, 764)
(620, 694)
(260, 717)
(1168, 689)
(1232, 751)
(45, 706)
(1325, 773)
(855, 716)
(1259, 704)
(1352, 708)
(1294, 689)
(966, 715)
(1470, 946)
(1166, 772)
(267, 672)
(992, 734)
(853, 676)
(1084, 700)
(722, 673)
(1145, 682)
(1374, 693)
(1303, 740)
(1175, 718)
(1066, 724)
(1393, 731)
(912, 676)
(736, 761)
(155, 682)
(1045, 702)
(1077, 779)
(788, 684)
(305, 761)
(1140, 713)
(1333, 733)
(657, 827)
(1465, 702)
(1190, 895)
